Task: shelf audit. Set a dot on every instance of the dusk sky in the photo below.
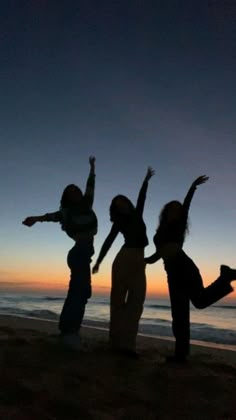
(135, 83)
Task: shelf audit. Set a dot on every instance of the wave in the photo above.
(36, 313)
(51, 298)
(156, 327)
(156, 306)
(164, 307)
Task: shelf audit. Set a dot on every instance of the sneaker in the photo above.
(227, 273)
(71, 341)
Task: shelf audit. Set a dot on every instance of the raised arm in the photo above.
(198, 181)
(143, 191)
(48, 217)
(90, 186)
(105, 247)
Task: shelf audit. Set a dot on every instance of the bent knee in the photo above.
(199, 304)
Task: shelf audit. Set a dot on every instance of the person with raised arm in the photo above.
(79, 221)
(184, 279)
(128, 288)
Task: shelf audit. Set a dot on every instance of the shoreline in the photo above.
(44, 380)
(37, 323)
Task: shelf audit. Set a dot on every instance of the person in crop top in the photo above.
(79, 221)
(128, 270)
(184, 279)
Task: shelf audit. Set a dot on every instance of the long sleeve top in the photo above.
(79, 218)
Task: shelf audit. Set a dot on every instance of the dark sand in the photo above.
(42, 380)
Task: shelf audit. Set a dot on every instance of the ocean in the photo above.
(214, 326)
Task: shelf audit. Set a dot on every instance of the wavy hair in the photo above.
(165, 225)
(115, 214)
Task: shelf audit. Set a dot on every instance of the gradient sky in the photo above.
(135, 83)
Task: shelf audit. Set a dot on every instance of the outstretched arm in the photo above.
(48, 217)
(105, 247)
(90, 186)
(143, 191)
(187, 201)
(153, 258)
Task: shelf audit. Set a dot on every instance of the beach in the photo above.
(40, 379)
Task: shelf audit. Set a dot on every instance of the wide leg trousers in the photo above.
(127, 297)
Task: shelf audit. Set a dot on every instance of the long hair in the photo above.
(65, 200)
(115, 214)
(182, 222)
(69, 208)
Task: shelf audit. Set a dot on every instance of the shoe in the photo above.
(178, 360)
(71, 341)
(227, 273)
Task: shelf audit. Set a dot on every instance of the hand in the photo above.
(150, 173)
(92, 161)
(95, 268)
(200, 180)
(29, 221)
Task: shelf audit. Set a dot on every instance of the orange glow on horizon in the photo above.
(101, 282)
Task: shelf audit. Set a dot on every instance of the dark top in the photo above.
(79, 218)
(175, 231)
(169, 238)
(132, 227)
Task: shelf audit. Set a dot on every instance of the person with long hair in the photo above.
(128, 288)
(79, 221)
(184, 279)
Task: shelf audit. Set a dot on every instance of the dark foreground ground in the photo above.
(40, 380)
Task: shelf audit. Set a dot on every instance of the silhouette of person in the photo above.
(184, 279)
(128, 270)
(79, 221)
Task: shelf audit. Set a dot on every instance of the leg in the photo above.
(203, 297)
(135, 301)
(181, 318)
(72, 313)
(117, 301)
(79, 291)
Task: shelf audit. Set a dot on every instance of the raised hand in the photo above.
(150, 173)
(200, 180)
(92, 161)
(95, 269)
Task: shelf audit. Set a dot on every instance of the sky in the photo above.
(135, 83)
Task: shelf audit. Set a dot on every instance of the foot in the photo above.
(180, 359)
(227, 273)
(71, 341)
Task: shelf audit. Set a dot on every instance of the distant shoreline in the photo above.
(102, 326)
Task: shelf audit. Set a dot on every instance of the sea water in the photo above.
(216, 324)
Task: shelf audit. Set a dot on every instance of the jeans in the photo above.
(185, 285)
(78, 260)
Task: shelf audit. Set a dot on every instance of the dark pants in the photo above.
(185, 285)
(78, 260)
(127, 297)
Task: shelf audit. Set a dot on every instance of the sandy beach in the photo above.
(42, 380)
